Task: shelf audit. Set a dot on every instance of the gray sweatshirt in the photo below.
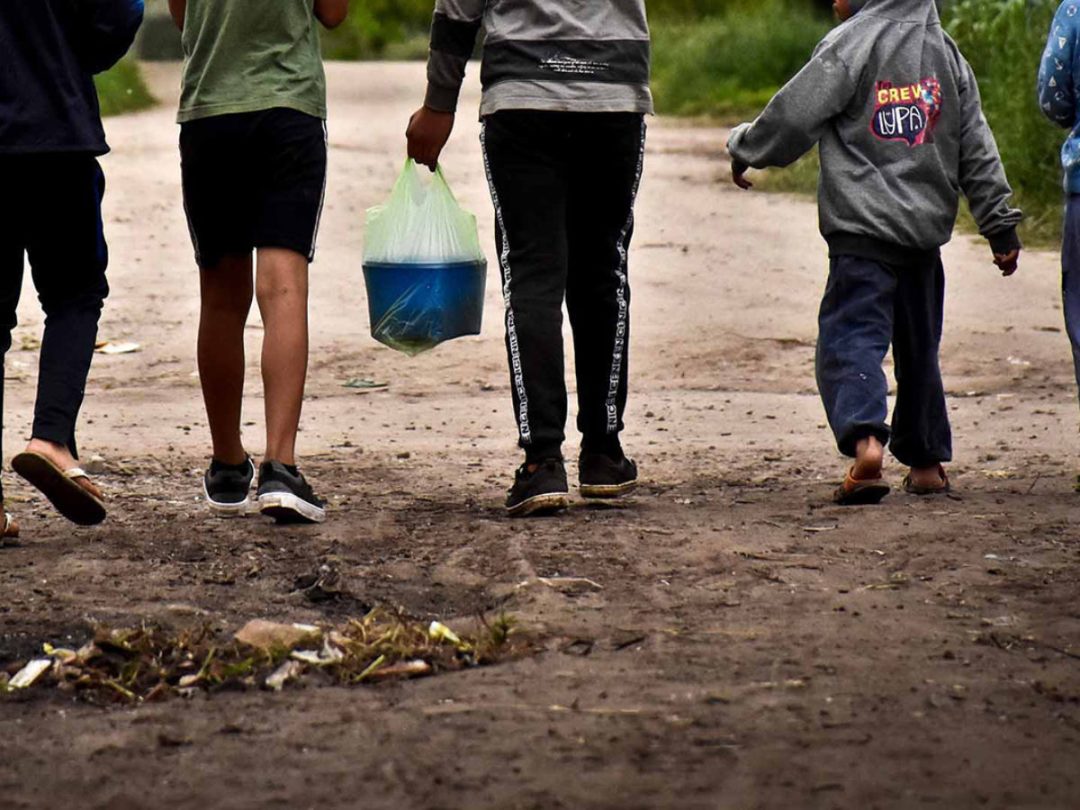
(895, 108)
(562, 55)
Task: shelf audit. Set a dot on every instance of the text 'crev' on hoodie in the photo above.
(895, 109)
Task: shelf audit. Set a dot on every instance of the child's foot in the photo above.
(539, 489)
(227, 485)
(863, 484)
(285, 495)
(601, 476)
(927, 481)
(53, 470)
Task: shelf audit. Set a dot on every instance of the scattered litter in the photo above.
(289, 671)
(1016, 361)
(108, 347)
(817, 529)
(28, 675)
(363, 384)
(148, 663)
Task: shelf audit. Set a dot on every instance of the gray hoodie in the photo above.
(562, 55)
(895, 108)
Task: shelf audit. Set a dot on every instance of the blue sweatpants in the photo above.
(1070, 277)
(869, 305)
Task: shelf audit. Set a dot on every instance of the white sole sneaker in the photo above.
(225, 509)
(285, 507)
(540, 505)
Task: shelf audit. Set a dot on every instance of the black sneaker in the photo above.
(601, 476)
(285, 496)
(539, 493)
(227, 485)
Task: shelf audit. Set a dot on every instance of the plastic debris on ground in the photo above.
(108, 347)
(423, 267)
(133, 665)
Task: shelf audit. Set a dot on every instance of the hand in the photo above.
(738, 175)
(428, 132)
(1007, 262)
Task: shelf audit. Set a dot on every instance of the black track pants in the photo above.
(563, 185)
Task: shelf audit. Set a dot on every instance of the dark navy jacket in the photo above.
(49, 53)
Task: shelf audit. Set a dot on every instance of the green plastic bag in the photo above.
(420, 223)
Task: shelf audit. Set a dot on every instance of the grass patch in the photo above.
(122, 89)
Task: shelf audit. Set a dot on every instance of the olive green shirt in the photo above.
(249, 55)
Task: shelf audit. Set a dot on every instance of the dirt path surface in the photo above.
(743, 644)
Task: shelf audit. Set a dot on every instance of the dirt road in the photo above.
(746, 645)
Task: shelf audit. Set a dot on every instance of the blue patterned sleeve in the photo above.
(1057, 85)
(105, 31)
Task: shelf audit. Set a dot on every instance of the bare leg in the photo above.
(281, 288)
(226, 302)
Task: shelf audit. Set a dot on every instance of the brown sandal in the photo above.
(912, 489)
(70, 491)
(860, 491)
(10, 530)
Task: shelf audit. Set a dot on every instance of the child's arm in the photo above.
(796, 117)
(178, 8)
(1056, 85)
(104, 31)
(982, 176)
(453, 37)
(331, 13)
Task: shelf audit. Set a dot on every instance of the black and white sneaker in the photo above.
(540, 492)
(286, 496)
(227, 485)
(601, 476)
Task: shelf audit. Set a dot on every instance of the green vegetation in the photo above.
(729, 64)
(1004, 41)
(381, 29)
(122, 89)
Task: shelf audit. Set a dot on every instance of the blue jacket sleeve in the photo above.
(1057, 80)
(104, 31)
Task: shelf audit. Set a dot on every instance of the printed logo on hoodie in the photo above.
(907, 112)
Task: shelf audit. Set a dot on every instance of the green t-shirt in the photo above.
(249, 55)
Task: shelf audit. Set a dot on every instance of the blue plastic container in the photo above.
(415, 307)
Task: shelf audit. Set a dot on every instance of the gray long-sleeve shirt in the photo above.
(895, 108)
(562, 55)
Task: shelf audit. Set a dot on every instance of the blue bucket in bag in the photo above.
(416, 306)
(423, 267)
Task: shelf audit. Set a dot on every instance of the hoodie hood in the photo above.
(924, 11)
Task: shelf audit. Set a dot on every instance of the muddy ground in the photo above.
(744, 644)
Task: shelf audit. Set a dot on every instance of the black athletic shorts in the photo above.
(253, 180)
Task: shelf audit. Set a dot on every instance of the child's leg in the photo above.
(921, 436)
(226, 292)
(606, 163)
(855, 327)
(69, 274)
(1070, 277)
(525, 156)
(281, 288)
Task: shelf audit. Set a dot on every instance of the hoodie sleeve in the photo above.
(1056, 85)
(453, 37)
(798, 114)
(105, 30)
(982, 174)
